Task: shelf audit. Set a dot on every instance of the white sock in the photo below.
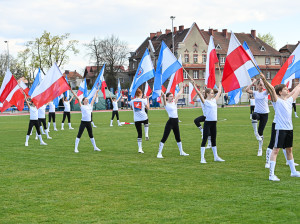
(272, 167)
(111, 122)
(254, 125)
(31, 131)
(47, 133)
(62, 125)
(161, 146)
(284, 152)
(180, 147)
(268, 154)
(69, 125)
(146, 131)
(260, 144)
(48, 125)
(27, 138)
(77, 143)
(209, 140)
(118, 122)
(54, 125)
(202, 152)
(42, 130)
(36, 134)
(40, 137)
(93, 142)
(296, 114)
(215, 151)
(292, 165)
(139, 140)
(93, 123)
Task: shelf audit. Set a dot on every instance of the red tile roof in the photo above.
(72, 75)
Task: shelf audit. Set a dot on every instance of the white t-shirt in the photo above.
(86, 111)
(294, 101)
(67, 106)
(42, 111)
(138, 105)
(115, 105)
(202, 107)
(211, 109)
(33, 113)
(261, 102)
(284, 109)
(274, 106)
(51, 107)
(171, 109)
(252, 102)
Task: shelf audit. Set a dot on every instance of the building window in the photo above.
(195, 74)
(186, 90)
(185, 75)
(268, 75)
(218, 47)
(121, 80)
(222, 60)
(262, 48)
(268, 61)
(203, 74)
(133, 67)
(203, 58)
(277, 61)
(186, 58)
(195, 58)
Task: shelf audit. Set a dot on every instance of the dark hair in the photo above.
(168, 94)
(279, 88)
(138, 92)
(207, 91)
(114, 98)
(215, 91)
(83, 99)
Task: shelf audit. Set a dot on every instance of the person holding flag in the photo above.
(86, 111)
(172, 124)
(51, 115)
(67, 111)
(42, 121)
(115, 111)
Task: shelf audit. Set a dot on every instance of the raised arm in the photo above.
(248, 90)
(94, 98)
(198, 92)
(72, 96)
(26, 100)
(119, 98)
(297, 92)
(269, 87)
(76, 98)
(148, 103)
(219, 91)
(293, 91)
(178, 95)
(163, 96)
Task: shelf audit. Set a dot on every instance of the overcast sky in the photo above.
(133, 20)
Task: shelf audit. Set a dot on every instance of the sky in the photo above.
(133, 20)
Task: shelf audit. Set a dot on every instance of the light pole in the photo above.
(172, 18)
(6, 41)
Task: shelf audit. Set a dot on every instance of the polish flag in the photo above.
(53, 85)
(147, 90)
(15, 97)
(212, 59)
(175, 78)
(24, 87)
(8, 84)
(192, 93)
(159, 98)
(103, 85)
(235, 74)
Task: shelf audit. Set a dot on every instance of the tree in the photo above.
(14, 66)
(49, 49)
(268, 38)
(112, 51)
(28, 64)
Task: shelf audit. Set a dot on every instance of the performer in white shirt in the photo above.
(67, 112)
(51, 116)
(115, 110)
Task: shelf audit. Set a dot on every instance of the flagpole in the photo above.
(221, 77)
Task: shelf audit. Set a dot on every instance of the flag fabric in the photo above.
(289, 80)
(52, 86)
(175, 78)
(24, 87)
(97, 85)
(38, 79)
(103, 85)
(8, 84)
(144, 72)
(57, 99)
(253, 70)
(235, 96)
(147, 90)
(119, 89)
(167, 64)
(67, 94)
(82, 91)
(192, 93)
(212, 59)
(16, 98)
(159, 98)
(235, 74)
(290, 68)
(177, 89)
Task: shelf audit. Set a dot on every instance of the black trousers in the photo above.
(273, 135)
(115, 113)
(172, 124)
(138, 126)
(263, 119)
(88, 126)
(198, 120)
(146, 110)
(34, 123)
(42, 121)
(92, 116)
(51, 116)
(66, 114)
(252, 109)
(210, 129)
(294, 106)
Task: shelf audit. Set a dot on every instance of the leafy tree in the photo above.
(268, 38)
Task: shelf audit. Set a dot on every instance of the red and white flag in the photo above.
(159, 98)
(175, 78)
(147, 90)
(16, 98)
(235, 74)
(24, 87)
(8, 84)
(103, 85)
(192, 93)
(53, 85)
(212, 59)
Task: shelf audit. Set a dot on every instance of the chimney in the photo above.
(181, 28)
(67, 72)
(210, 31)
(152, 35)
(175, 29)
(224, 32)
(253, 33)
(168, 31)
(158, 33)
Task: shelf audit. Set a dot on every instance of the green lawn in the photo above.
(52, 184)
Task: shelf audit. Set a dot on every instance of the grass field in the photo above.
(52, 184)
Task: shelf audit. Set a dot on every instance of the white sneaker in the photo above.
(49, 137)
(55, 129)
(71, 128)
(43, 143)
(120, 125)
(267, 165)
(111, 125)
(147, 138)
(48, 130)
(159, 156)
(218, 159)
(296, 164)
(259, 152)
(36, 137)
(94, 126)
(296, 116)
(97, 149)
(62, 129)
(258, 138)
(141, 150)
(203, 160)
(297, 174)
(184, 154)
(76, 151)
(208, 146)
(274, 178)
(26, 143)
(43, 133)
